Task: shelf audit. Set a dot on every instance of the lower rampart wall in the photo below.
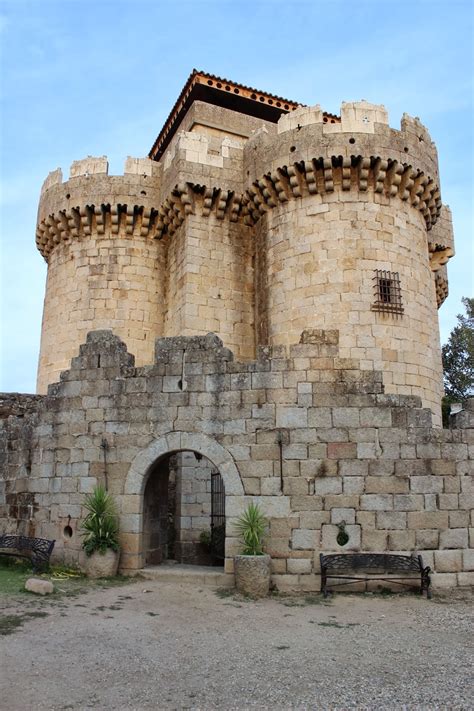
(349, 453)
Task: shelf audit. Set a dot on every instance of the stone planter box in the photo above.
(252, 575)
(102, 565)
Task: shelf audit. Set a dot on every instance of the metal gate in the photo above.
(217, 519)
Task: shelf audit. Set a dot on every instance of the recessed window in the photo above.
(387, 293)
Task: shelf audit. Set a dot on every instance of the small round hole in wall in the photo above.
(68, 195)
(292, 149)
(352, 140)
(342, 537)
(67, 532)
(142, 192)
(406, 149)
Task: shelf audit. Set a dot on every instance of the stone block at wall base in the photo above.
(468, 560)
(285, 583)
(310, 583)
(465, 579)
(448, 561)
(299, 566)
(442, 581)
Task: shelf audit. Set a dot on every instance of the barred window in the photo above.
(387, 293)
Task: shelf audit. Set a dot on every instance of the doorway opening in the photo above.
(184, 511)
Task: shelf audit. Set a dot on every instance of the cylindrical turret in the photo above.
(343, 213)
(316, 221)
(105, 269)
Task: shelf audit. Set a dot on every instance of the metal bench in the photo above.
(400, 569)
(38, 550)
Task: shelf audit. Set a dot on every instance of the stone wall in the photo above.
(320, 257)
(350, 452)
(193, 510)
(210, 283)
(255, 231)
(104, 280)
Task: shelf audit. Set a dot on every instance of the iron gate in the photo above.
(217, 519)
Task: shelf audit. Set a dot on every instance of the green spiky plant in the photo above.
(252, 527)
(100, 526)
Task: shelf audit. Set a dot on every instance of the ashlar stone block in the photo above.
(304, 539)
(454, 538)
(448, 561)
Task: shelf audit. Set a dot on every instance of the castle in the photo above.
(275, 270)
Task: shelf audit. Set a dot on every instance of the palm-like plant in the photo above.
(252, 527)
(101, 523)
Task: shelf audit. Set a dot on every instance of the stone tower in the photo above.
(255, 218)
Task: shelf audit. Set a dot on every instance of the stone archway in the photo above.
(131, 502)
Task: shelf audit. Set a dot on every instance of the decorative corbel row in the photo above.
(82, 221)
(321, 175)
(441, 284)
(318, 175)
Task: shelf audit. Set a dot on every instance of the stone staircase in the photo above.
(189, 574)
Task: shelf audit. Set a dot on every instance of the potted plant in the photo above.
(101, 529)
(252, 567)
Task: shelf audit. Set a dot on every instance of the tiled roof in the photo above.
(266, 105)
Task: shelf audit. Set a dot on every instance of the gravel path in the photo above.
(150, 645)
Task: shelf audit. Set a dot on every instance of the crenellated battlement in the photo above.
(92, 201)
(311, 153)
(358, 150)
(256, 218)
(99, 165)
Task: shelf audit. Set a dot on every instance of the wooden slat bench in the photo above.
(38, 550)
(403, 570)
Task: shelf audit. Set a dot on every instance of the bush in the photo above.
(252, 527)
(101, 523)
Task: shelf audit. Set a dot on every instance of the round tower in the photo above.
(345, 211)
(105, 269)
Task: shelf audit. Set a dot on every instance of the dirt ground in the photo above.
(152, 645)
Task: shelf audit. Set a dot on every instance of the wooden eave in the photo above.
(220, 92)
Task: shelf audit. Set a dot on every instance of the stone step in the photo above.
(189, 574)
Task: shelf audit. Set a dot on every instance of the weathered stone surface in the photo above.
(448, 561)
(454, 538)
(321, 480)
(252, 575)
(102, 565)
(39, 586)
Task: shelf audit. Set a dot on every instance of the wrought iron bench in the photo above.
(38, 550)
(400, 569)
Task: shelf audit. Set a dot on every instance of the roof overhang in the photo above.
(220, 92)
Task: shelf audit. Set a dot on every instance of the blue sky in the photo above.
(97, 77)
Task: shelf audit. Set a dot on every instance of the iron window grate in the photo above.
(387, 292)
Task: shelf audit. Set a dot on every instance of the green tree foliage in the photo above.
(458, 358)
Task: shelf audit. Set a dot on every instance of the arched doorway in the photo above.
(184, 511)
(131, 502)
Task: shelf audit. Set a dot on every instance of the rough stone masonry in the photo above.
(315, 247)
